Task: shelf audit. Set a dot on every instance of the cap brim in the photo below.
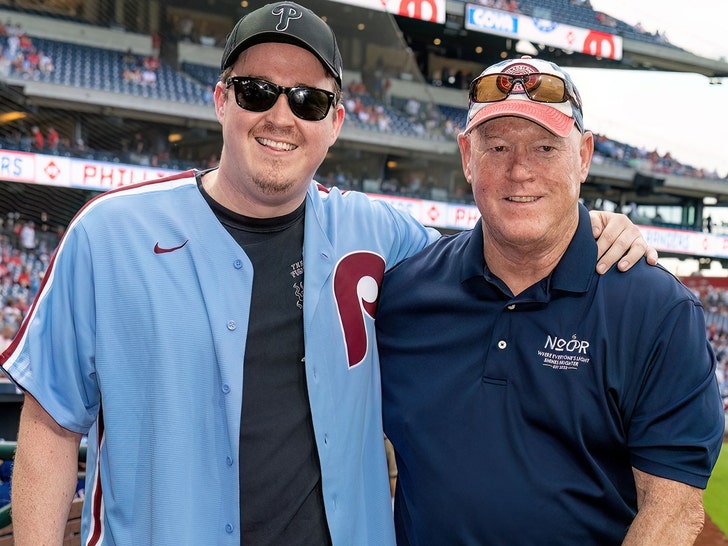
(547, 116)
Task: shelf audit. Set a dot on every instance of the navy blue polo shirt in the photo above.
(517, 420)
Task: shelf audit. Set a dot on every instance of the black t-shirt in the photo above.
(280, 478)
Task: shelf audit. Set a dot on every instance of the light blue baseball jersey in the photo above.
(137, 337)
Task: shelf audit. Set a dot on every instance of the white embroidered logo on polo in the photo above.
(564, 354)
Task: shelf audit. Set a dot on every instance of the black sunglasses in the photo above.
(257, 95)
(537, 86)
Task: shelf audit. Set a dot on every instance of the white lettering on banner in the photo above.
(486, 19)
(542, 31)
(17, 166)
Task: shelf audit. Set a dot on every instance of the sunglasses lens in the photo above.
(489, 89)
(309, 103)
(546, 88)
(254, 95)
(539, 87)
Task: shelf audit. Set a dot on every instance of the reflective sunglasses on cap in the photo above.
(257, 95)
(537, 86)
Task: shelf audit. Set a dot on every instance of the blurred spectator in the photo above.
(151, 63)
(186, 29)
(505, 5)
(209, 94)
(129, 59)
(131, 74)
(26, 140)
(45, 63)
(606, 20)
(52, 140)
(6, 336)
(12, 315)
(27, 236)
(38, 142)
(156, 43)
(412, 108)
(149, 77)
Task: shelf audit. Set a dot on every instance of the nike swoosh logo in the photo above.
(161, 250)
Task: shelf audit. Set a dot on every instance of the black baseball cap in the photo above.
(289, 23)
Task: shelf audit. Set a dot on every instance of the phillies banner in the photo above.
(543, 31)
(72, 172)
(426, 10)
(88, 174)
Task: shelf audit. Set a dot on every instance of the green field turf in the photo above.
(716, 494)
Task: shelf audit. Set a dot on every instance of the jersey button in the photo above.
(229, 528)
(237, 264)
(502, 344)
(231, 325)
(229, 461)
(225, 388)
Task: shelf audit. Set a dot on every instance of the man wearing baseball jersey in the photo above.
(222, 407)
(529, 400)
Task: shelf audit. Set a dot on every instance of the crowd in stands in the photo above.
(24, 256)
(19, 55)
(423, 118)
(369, 105)
(135, 150)
(620, 153)
(715, 302)
(505, 5)
(137, 69)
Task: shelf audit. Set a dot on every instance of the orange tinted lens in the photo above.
(545, 88)
(491, 88)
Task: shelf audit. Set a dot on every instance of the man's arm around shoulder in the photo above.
(669, 513)
(44, 477)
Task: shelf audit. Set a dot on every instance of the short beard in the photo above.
(273, 185)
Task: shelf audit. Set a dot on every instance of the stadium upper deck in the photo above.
(88, 99)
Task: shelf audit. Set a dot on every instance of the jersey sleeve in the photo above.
(52, 355)
(410, 236)
(677, 428)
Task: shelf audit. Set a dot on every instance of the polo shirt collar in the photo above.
(577, 266)
(574, 271)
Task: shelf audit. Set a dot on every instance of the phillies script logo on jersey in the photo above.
(357, 278)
